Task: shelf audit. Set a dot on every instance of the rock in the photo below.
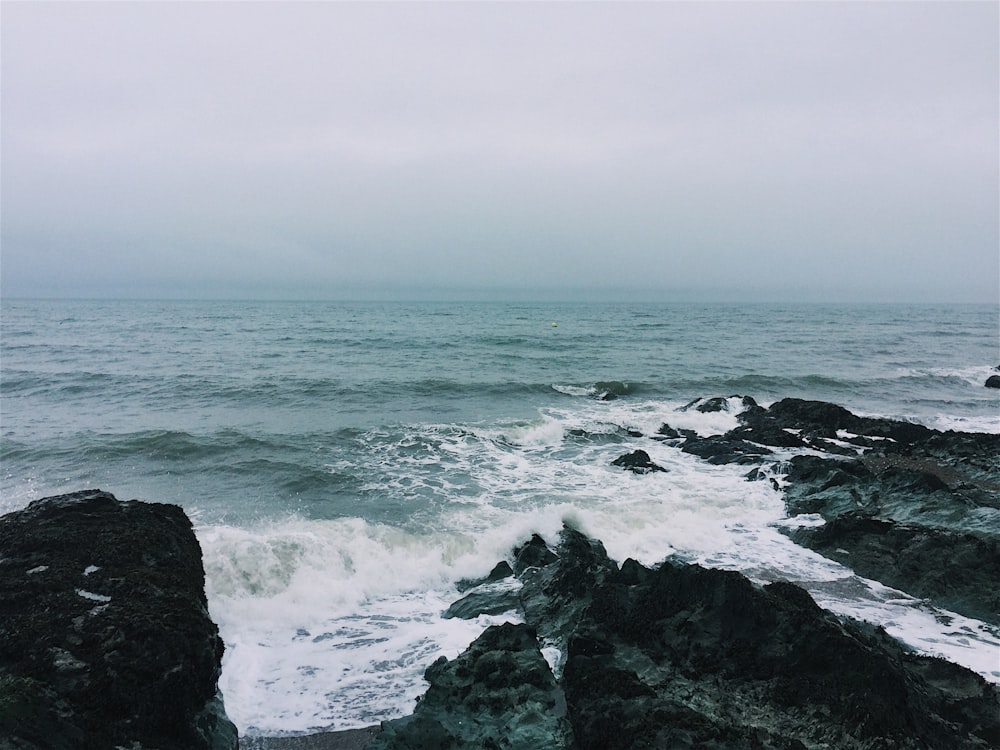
(534, 554)
(699, 656)
(993, 381)
(681, 656)
(346, 739)
(105, 638)
(485, 600)
(722, 449)
(499, 693)
(638, 462)
(500, 571)
(940, 487)
(958, 571)
(667, 432)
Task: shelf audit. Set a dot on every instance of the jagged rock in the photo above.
(681, 656)
(500, 571)
(499, 693)
(721, 449)
(957, 570)
(553, 597)
(993, 381)
(638, 462)
(933, 483)
(534, 554)
(667, 432)
(105, 637)
(487, 599)
(703, 656)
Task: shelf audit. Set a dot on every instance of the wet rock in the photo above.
(500, 571)
(487, 599)
(957, 570)
(499, 693)
(667, 432)
(682, 656)
(703, 656)
(638, 462)
(993, 381)
(534, 554)
(722, 449)
(717, 404)
(105, 637)
(931, 483)
(554, 597)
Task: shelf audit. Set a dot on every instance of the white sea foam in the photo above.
(989, 424)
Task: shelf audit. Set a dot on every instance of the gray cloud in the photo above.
(829, 150)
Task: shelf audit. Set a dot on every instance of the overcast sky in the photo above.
(668, 150)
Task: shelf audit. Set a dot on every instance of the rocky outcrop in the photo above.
(681, 656)
(638, 462)
(499, 693)
(914, 508)
(993, 381)
(105, 636)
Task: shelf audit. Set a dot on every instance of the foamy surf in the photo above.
(329, 624)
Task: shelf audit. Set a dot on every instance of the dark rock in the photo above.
(638, 462)
(716, 404)
(721, 449)
(105, 638)
(609, 390)
(993, 381)
(484, 600)
(931, 483)
(667, 432)
(347, 739)
(499, 693)
(703, 656)
(713, 405)
(681, 656)
(554, 597)
(500, 571)
(958, 571)
(534, 554)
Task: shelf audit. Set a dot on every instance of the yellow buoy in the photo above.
(555, 325)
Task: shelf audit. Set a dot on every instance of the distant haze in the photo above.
(799, 151)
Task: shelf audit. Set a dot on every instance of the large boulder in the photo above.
(105, 636)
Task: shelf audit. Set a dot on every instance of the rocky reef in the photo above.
(681, 656)
(105, 636)
(913, 508)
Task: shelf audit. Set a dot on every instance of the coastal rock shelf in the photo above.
(913, 508)
(105, 636)
(682, 656)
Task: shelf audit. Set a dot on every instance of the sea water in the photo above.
(346, 464)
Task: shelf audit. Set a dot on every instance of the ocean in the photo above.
(345, 464)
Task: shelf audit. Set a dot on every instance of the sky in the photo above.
(784, 151)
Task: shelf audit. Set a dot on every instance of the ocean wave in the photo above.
(602, 389)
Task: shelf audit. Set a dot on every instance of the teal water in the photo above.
(346, 463)
(235, 399)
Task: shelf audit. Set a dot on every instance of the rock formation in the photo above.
(105, 636)
(681, 656)
(914, 508)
